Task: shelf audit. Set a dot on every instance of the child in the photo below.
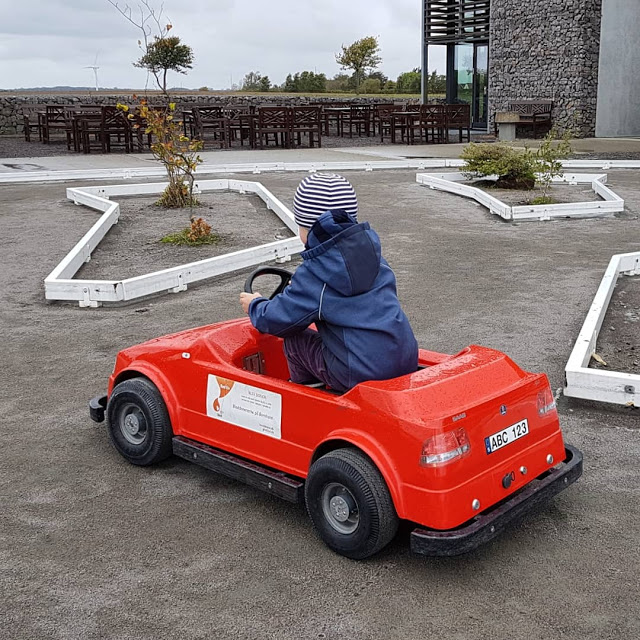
(346, 288)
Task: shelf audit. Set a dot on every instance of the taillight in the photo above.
(546, 403)
(445, 447)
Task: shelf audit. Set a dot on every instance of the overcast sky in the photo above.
(49, 42)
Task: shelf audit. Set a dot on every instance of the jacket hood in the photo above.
(343, 253)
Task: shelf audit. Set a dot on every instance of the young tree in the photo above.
(360, 56)
(251, 81)
(290, 84)
(265, 84)
(162, 53)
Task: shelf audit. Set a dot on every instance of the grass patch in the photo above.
(544, 200)
(182, 239)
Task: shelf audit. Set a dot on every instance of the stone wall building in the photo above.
(581, 54)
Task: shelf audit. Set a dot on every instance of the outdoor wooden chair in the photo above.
(54, 120)
(31, 122)
(307, 120)
(359, 118)
(88, 133)
(141, 140)
(375, 116)
(240, 122)
(115, 129)
(334, 114)
(458, 116)
(209, 121)
(384, 119)
(433, 123)
(274, 121)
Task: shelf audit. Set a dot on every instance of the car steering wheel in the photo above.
(285, 279)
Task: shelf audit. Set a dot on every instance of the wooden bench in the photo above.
(534, 114)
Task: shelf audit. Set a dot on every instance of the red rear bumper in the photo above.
(491, 522)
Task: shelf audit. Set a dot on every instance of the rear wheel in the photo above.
(349, 504)
(138, 422)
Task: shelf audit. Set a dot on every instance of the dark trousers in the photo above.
(306, 362)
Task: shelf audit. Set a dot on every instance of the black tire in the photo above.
(349, 504)
(138, 422)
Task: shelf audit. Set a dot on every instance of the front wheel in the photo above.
(349, 504)
(138, 422)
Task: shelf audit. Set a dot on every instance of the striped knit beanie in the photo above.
(322, 192)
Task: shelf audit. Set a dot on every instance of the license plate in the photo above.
(506, 436)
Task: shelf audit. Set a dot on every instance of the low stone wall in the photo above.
(11, 105)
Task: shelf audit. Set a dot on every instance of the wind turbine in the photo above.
(95, 68)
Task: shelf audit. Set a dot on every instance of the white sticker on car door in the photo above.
(244, 406)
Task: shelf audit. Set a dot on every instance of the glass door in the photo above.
(480, 86)
(467, 79)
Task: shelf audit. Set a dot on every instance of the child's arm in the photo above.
(291, 311)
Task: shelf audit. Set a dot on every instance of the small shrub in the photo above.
(550, 154)
(516, 169)
(198, 233)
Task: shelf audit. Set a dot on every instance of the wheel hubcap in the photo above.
(340, 508)
(133, 424)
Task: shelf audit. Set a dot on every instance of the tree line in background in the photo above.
(361, 58)
(374, 82)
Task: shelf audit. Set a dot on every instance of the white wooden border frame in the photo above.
(610, 203)
(597, 384)
(51, 175)
(60, 285)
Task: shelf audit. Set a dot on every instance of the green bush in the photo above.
(370, 85)
(516, 169)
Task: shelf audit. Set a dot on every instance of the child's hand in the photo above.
(246, 298)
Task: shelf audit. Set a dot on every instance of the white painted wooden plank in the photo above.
(203, 269)
(78, 290)
(579, 178)
(144, 172)
(94, 201)
(597, 384)
(605, 192)
(81, 252)
(603, 386)
(629, 263)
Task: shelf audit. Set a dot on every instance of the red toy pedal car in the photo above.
(461, 447)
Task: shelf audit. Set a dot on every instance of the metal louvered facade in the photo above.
(448, 21)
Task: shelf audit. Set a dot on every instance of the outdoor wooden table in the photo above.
(338, 114)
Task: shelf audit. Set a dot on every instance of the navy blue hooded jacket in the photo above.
(349, 291)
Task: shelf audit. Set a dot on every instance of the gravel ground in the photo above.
(241, 221)
(92, 547)
(560, 193)
(619, 338)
